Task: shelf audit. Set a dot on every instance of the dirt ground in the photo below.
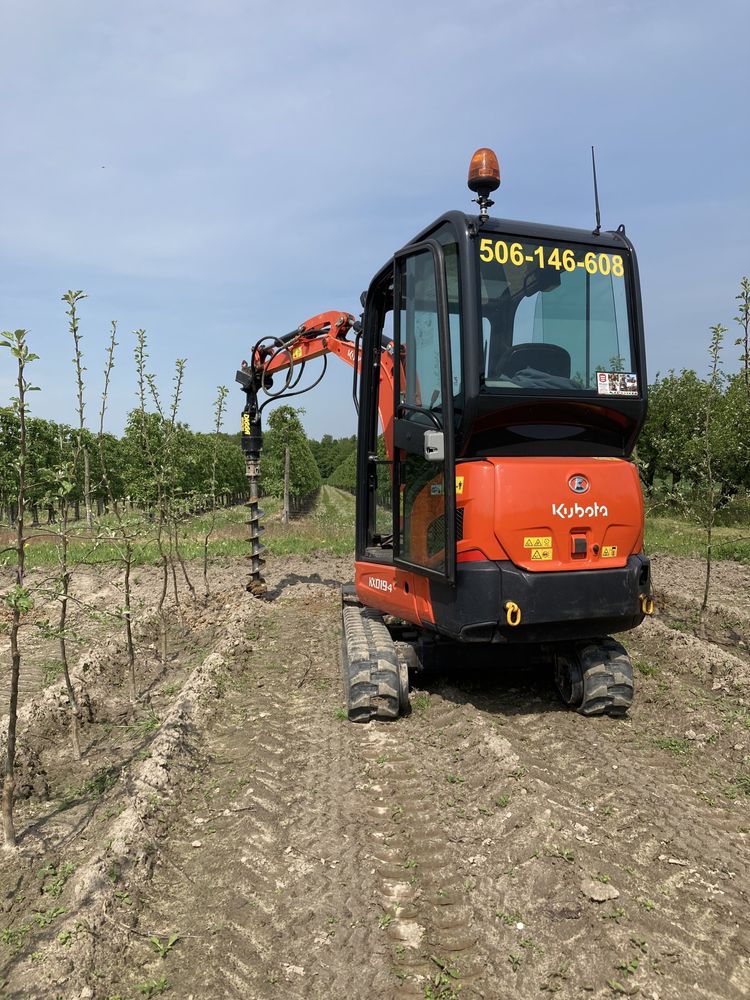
(235, 837)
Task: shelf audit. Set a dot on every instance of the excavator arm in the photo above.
(276, 368)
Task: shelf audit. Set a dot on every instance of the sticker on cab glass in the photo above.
(537, 542)
(617, 383)
(436, 490)
(609, 552)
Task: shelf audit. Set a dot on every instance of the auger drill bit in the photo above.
(252, 445)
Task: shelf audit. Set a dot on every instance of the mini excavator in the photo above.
(505, 363)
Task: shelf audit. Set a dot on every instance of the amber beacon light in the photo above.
(484, 177)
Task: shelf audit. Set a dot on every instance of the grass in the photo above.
(674, 744)
(676, 536)
(52, 670)
(329, 528)
(646, 668)
(740, 786)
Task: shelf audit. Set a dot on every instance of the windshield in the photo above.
(555, 317)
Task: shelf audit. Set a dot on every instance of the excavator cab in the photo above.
(504, 363)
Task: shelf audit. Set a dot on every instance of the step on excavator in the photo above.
(504, 363)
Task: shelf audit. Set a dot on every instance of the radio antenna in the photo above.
(596, 196)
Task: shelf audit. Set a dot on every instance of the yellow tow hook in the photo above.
(647, 604)
(512, 614)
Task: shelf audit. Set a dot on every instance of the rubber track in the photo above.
(607, 678)
(371, 667)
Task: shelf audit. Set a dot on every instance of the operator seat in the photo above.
(548, 358)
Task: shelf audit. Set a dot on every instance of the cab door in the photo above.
(424, 500)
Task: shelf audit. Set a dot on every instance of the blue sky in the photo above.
(222, 170)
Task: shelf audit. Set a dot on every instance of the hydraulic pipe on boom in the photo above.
(324, 334)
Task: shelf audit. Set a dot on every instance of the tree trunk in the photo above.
(285, 509)
(87, 489)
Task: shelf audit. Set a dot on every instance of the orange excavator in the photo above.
(505, 364)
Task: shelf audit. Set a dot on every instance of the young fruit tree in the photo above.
(19, 598)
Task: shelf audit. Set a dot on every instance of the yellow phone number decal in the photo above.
(562, 260)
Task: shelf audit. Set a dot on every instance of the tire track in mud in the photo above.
(443, 854)
(287, 901)
(588, 801)
(430, 874)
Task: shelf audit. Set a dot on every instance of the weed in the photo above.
(170, 689)
(381, 759)
(410, 863)
(616, 986)
(556, 979)
(400, 952)
(629, 968)
(454, 779)
(153, 988)
(422, 701)
(607, 810)
(515, 962)
(54, 878)
(65, 937)
(617, 914)
(341, 714)
(43, 919)
(444, 985)
(124, 897)
(640, 944)
(163, 948)
(385, 920)
(36, 956)
(675, 745)
(509, 919)
(502, 801)
(15, 937)
(561, 852)
(648, 904)
(601, 877)
(519, 772)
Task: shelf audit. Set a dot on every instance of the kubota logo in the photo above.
(579, 484)
(577, 510)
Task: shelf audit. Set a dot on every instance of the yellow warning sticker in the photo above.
(537, 542)
(609, 551)
(296, 353)
(459, 485)
(541, 555)
(245, 423)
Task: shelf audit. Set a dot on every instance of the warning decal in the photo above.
(541, 555)
(537, 542)
(617, 383)
(459, 485)
(609, 552)
(296, 353)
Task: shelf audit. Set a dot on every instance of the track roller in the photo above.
(595, 677)
(376, 681)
